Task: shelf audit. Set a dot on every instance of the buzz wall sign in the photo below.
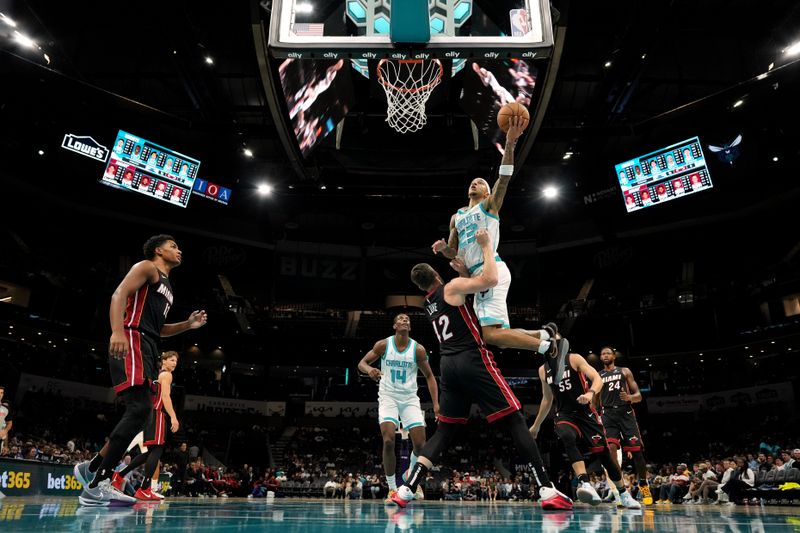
(86, 146)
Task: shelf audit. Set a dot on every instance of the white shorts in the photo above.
(396, 410)
(490, 305)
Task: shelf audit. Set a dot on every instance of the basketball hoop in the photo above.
(408, 83)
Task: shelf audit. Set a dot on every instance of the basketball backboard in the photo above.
(460, 29)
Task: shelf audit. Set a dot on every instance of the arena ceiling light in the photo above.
(550, 192)
(24, 40)
(793, 49)
(7, 20)
(264, 189)
(248, 152)
(738, 103)
(209, 60)
(303, 8)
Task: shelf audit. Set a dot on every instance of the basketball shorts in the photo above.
(138, 440)
(591, 434)
(490, 305)
(139, 366)
(473, 377)
(156, 432)
(622, 429)
(400, 409)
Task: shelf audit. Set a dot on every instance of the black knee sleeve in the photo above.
(153, 457)
(641, 464)
(438, 442)
(614, 473)
(526, 446)
(569, 438)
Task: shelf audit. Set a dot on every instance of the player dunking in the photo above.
(401, 357)
(155, 435)
(469, 374)
(578, 422)
(483, 213)
(620, 391)
(138, 314)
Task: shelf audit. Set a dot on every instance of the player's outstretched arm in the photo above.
(365, 365)
(495, 201)
(633, 394)
(544, 407)
(430, 379)
(456, 289)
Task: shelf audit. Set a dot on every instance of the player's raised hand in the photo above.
(458, 264)
(482, 238)
(516, 125)
(375, 374)
(438, 246)
(197, 319)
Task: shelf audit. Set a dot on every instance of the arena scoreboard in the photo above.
(143, 166)
(666, 174)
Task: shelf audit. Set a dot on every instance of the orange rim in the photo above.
(415, 61)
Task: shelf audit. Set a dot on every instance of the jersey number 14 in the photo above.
(398, 376)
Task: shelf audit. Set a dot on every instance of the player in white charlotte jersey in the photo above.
(483, 213)
(401, 357)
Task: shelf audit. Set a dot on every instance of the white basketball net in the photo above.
(408, 84)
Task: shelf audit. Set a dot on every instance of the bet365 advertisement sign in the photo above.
(26, 478)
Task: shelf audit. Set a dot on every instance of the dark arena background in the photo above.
(652, 210)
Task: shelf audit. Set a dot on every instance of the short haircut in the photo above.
(398, 315)
(171, 353)
(423, 275)
(2, 387)
(613, 351)
(154, 242)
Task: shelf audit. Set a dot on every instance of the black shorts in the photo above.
(139, 366)
(622, 429)
(473, 377)
(589, 429)
(155, 434)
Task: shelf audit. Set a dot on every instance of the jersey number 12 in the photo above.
(444, 323)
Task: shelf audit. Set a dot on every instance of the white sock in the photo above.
(614, 489)
(392, 482)
(543, 335)
(153, 484)
(543, 347)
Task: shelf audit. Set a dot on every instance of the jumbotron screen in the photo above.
(663, 175)
(139, 165)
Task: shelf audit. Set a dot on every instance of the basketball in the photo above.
(511, 110)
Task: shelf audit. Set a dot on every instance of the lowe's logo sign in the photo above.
(85, 146)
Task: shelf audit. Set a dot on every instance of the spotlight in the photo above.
(24, 40)
(264, 189)
(303, 8)
(607, 64)
(775, 159)
(248, 152)
(550, 192)
(8, 21)
(738, 103)
(209, 60)
(567, 155)
(41, 152)
(793, 49)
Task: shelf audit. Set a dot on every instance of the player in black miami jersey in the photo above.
(620, 391)
(577, 422)
(469, 374)
(138, 316)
